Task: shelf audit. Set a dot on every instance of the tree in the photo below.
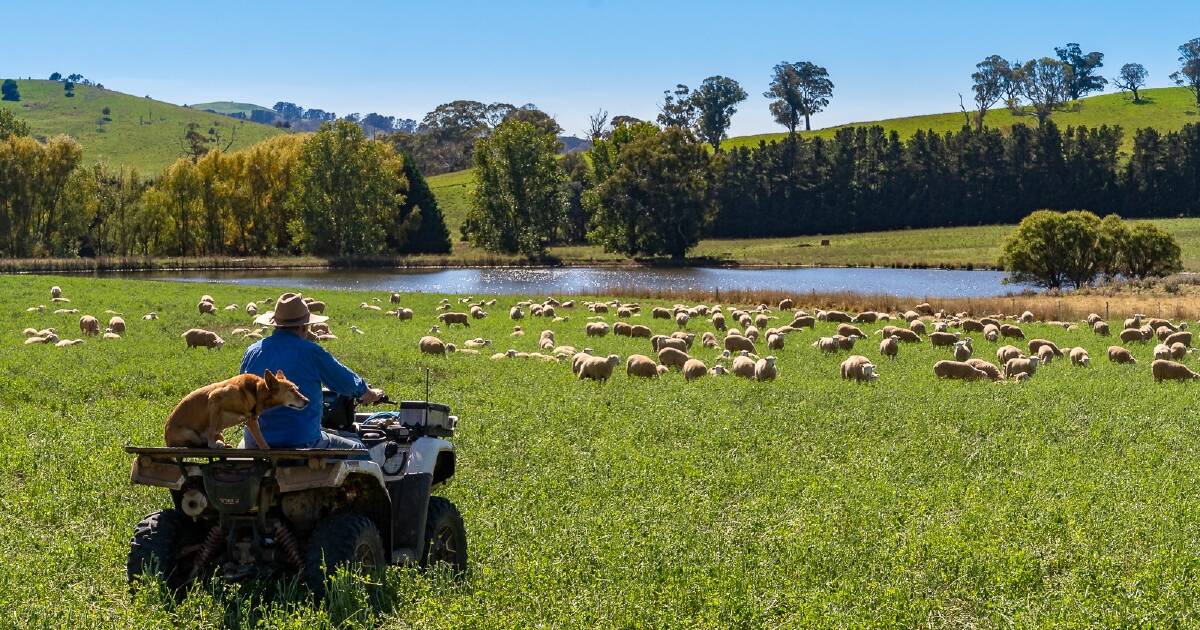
(576, 182)
(1131, 79)
(536, 117)
(715, 102)
(57, 76)
(813, 88)
(1013, 83)
(517, 204)
(1188, 74)
(1150, 251)
(11, 126)
(596, 123)
(9, 91)
(659, 199)
(677, 109)
(75, 77)
(288, 111)
(988, 84)
(449, 133)
(1046, 86)
(431, 235)
(1052, 248)
(69, 89)
(1084, 78)
(622, 120)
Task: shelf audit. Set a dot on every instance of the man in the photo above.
(308, 365)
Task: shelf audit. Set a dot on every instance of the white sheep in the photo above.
(641, 365)
(765, 370)
(958, 370)
(598, 368)
(1171, 371)
(858, 368)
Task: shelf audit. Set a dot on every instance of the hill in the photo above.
(229, 108)
(142, 133)
(1165, 109)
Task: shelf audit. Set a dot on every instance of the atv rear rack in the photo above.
(181, 453)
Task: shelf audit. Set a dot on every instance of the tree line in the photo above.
(331, 193)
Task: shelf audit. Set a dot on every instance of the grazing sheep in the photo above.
(972, 325)
(844, 342)
(827, 345)
(660, 313)
(962, 351)
(924, 308)
(837, 316)
(623, 312)
(1100, 328)
(906, 335)
(1131, 335)
(234, 307)
(516, 313)
(803, 321)
(786, 304)
(672, 357)
(1079, 357)
(1026, 318)
(643, 332)
(1011, 332)
(641, 365)
(455, 318)
(991, 332)
(89, 325)
(889, 347)
(1045, 355)
(1171, 371)
(598, 368)
(500, 356)
(858, 368)
(1037, 344)
(1184, 337)
(395, 298)
(1178, 351)
(1162, 351)
(623, 329)
(207, 308)
(743, 367)
(765, 370)
(517, 332)
(40, 339)
(547, 311)
(55, 291)
(865, 317)
(718, 321)
(599, 308)
(775, 341)
(958, 370)
(694, 369)
(316, 306)
(596, 329)
(1012, 367)
(320, 328)
(477, 342)
(200, 338)
(1117, 354)
(943, 338)
(709, 340)
(432, 345)
(992, 371)
(737, 343)
(1157, 322)
(67, 343)
(477, 312)
(1092, 318)
(681, 320)
(846, 330)
(117, 325)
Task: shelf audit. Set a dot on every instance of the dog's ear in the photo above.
(279, 375)
(269, 378)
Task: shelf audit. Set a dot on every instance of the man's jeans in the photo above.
(327, 440)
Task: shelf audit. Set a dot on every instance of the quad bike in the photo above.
(260, 512)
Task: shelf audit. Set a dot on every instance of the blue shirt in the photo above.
(308, 365)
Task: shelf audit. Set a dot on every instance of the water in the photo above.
(600, 280)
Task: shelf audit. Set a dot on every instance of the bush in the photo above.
(9, 91)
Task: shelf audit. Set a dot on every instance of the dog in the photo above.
(201, 417)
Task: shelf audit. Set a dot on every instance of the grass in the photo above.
(1064, 501)
(452, 191)
(230, 107)
(143, 133)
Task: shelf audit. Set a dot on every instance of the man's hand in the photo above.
(372, 396)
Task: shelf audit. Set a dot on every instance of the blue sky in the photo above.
(570, 57)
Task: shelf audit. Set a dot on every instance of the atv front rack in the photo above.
(181, 453)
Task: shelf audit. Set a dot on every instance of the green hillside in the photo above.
(230, 107)
(143, 133)
(1165, 109)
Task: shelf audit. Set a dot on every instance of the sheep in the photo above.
(1171, 371)
(151, 316)
(1162, 351)
(905, 335)
(718, 321)
(639, 331)
(547, 311)
(517, 332)
(743, 367)
(837, 316)
(1156, 322)
(67, 343)
(962, 351)
(890, 347)
(718, 370)
(577, 360)
(858, 368)
(992, 371)
(455, 318)
(516, 313)
(1100, 328)
(991, 332)
(89, 325)
(1045, 355)
(943, 338)
(803, 321)
(865, 317)
(641, 365)
(775, 341)
(320, 328)
(1182, 337)
(623, 329)
(846, 330)
(958, 370)
(117, 325)
(1026, 318)
(694, 369)
(765, 370)
(924, 308)
(1133, 322)
(1092, 318)
(681, 319)
(477, 312)
(827, 345)
(736, 343)
(598, 368)
(500, 356)
(1079, 357)
(568, 304)
(404, 314)
(478, 342)
(200, 338)
(660, 313)
(1131, 335)
(234, 307)
(40, 339)
(1036, 344)
(1117, 354)
(596, 329)
(1012, 332)
(672, 357)
(1178, 351)
(395, 298)
(1012, 367)
(55, 291)
(207, 308)
(844, 342)
(599, 308)
(432, 345)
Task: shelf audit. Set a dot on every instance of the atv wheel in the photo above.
(343, 539)
(156, 550)
(445, 537)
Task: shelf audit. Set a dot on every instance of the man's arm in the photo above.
(338, 377)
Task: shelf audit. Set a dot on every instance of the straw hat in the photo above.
(290, 310)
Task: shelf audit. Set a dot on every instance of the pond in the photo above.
(604, 280)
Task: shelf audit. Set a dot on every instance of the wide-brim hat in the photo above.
(290, 310)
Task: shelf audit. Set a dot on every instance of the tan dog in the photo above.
(202, 415)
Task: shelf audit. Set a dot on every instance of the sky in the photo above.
(571, 57)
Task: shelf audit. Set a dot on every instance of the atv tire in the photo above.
(155, 550)
(445, 537)
(342, 540)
